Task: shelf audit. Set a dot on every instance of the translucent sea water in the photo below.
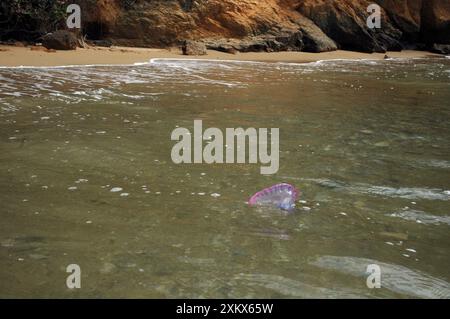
(86, 178)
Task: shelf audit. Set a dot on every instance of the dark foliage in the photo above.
(28, 20)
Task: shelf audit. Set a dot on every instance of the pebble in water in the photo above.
(116, 189)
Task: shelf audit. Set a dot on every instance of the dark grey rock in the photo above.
(193, 48)
(60, 40)
(441, 48)
(314, 39)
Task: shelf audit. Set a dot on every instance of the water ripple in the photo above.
(386, 191)
(394, 277)
(421, 217)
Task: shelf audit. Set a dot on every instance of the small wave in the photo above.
(402, 192)
(71, 66)
(271, 233)
(293, 288)
(396, 278)
(405, 192)
(8, 107)
(156, 60)
(436, 163)
(141, 63)
(95, 82)
(421, 217)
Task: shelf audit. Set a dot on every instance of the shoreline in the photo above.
(14, 56)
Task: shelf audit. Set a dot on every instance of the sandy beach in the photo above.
(39, 56)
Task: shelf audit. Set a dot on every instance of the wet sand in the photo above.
(38, 56)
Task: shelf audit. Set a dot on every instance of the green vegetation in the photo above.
(30, 19)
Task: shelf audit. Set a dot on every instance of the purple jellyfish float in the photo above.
(281, 196)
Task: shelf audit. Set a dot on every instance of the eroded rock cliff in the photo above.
(268, 25)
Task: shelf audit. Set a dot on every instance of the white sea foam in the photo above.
(214, 61)
(386, 191)
(73, 84)
(420, 217)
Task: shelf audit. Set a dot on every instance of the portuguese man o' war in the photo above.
(281, 196)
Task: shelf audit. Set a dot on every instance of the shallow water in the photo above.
(87, 178)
